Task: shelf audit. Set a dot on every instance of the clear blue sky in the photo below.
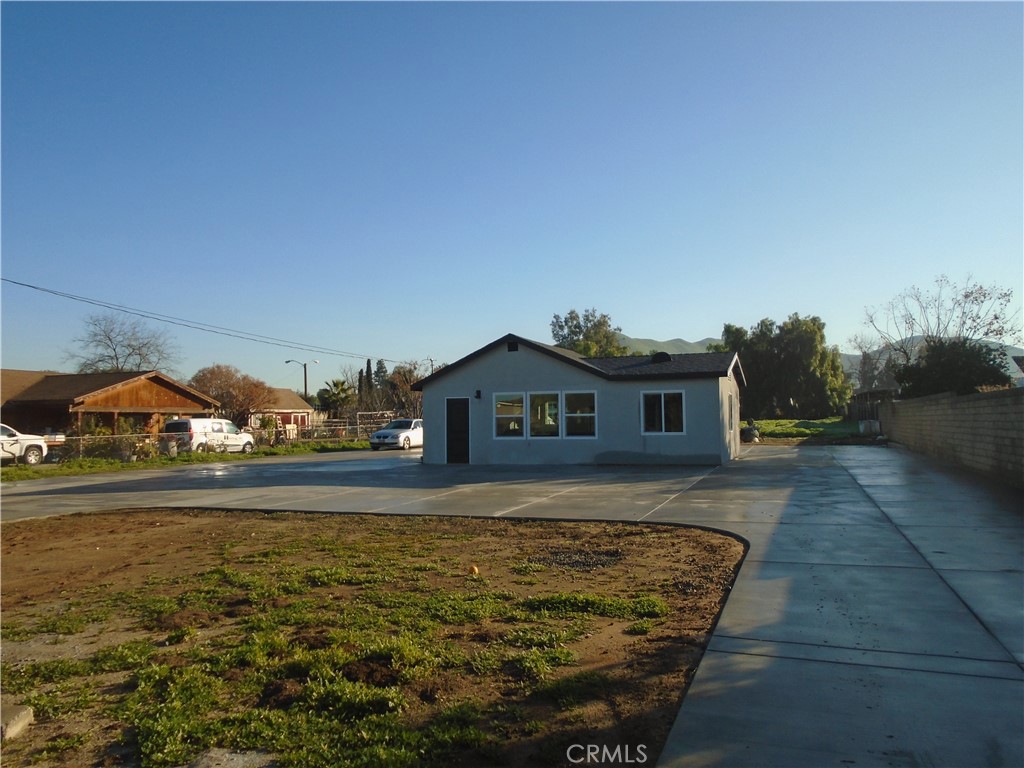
(412, 181)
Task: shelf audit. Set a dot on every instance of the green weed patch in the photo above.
(347, 642)
(818, 430)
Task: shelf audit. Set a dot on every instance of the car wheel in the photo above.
(32, 455)
(374, 447)
(246, 447)
(405, 444)
(202, 448)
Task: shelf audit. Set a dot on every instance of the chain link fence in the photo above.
(146, 445)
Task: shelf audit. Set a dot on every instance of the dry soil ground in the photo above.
(76, 566)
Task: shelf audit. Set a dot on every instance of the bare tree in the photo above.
(119, 342)
(968, 311)
(351, 375)
(403, 398)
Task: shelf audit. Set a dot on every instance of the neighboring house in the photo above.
(44, 402)
(517, 401)
(287, 408)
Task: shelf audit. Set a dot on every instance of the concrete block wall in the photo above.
(983, 432)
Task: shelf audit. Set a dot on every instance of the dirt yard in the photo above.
(76, 585)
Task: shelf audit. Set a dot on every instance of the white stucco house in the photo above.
(516, 401)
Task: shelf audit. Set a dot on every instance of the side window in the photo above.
(216, 427)
(509, 413)
(663, 412)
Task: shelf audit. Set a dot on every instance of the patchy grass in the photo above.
(73, 467)
(340, 641)
(817, 431)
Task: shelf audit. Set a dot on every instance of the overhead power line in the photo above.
(196, 325)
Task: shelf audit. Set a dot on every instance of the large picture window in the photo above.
(663, 412)
(509, 415)
(580, 414)
(544, 414)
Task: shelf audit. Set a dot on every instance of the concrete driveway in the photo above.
(878, 618)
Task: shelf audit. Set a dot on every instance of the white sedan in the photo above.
(400, 433)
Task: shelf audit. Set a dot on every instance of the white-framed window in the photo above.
(509, 414)
(663, 413)
(580, 414)
(544, 414)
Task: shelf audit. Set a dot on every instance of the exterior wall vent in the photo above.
(661, 357)
(513, 346)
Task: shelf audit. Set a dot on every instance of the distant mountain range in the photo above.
(851, 362)
(672, 346)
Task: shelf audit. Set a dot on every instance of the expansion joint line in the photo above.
(677, 494)
(536, 501)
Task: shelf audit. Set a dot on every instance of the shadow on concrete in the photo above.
(844, 641)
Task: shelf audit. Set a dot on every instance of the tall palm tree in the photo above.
(335, 397)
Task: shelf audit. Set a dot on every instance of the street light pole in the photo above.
(305, 378)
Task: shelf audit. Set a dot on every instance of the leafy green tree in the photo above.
(756, 349)
(790, 371)
(591, 335)
(952, 365)
(380, 375)
(813, 374)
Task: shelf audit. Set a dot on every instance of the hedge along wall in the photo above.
(983, 432)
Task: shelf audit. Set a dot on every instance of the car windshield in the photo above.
(400, 424)
(176, 426)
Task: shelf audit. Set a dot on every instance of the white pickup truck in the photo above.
(14, 446)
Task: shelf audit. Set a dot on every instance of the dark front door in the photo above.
(457, 430)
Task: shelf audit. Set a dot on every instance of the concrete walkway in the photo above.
(878, 619)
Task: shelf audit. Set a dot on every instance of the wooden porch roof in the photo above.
(121, 392)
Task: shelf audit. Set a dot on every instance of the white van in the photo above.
(208, 435)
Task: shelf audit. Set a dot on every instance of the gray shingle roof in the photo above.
(693, 365)
(700, 365)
